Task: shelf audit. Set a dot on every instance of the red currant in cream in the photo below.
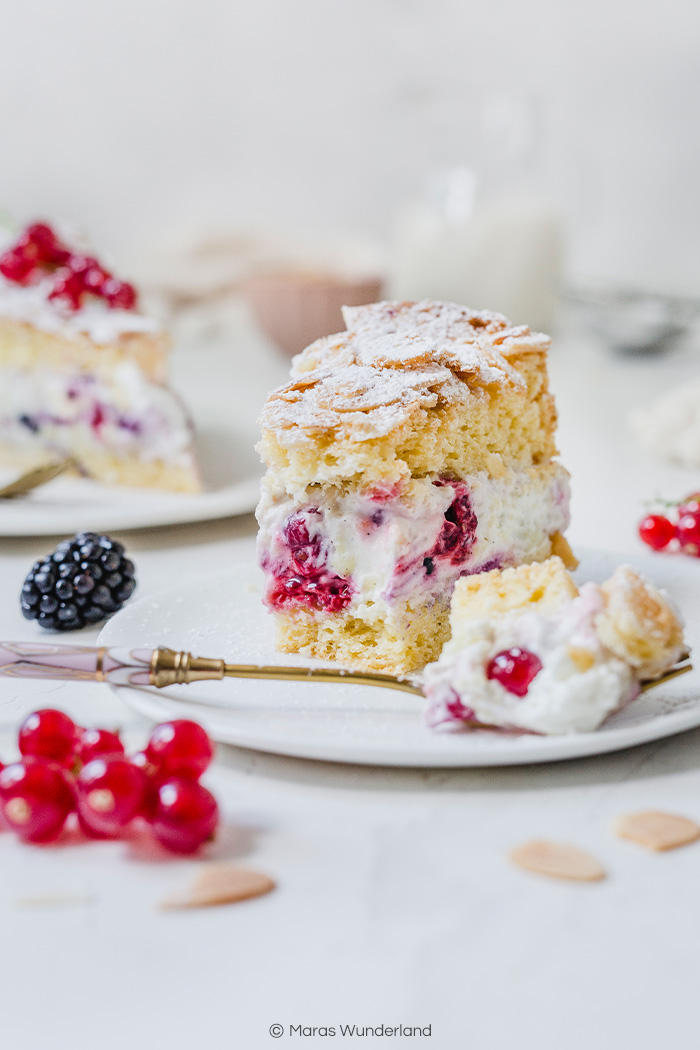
(49, 733)
(515, 669)
(36, 797)
(110, 792)
(179, 748)
(656, 531)
(185, 816)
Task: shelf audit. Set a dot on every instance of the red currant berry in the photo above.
(110, 792)
(690, 505)
(47, 245)
(80, 264)
(514, 669)
(49, 733)
(185, 816)
(143, 762)
(26, 247)
(688, 532)
(94, 279)
(15, 266)
(36, 797)
(68, 289)
(141, 759)
(119, 294)
(94, 742)
(656, 531)
(179, 748)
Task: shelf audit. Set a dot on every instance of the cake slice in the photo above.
(412, 449)
(83, 372)
(530, 651)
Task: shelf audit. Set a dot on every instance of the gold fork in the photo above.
(38, 476)
(168, 667)
(163, 667)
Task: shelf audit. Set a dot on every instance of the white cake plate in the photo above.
(223, 617)
(231, 475)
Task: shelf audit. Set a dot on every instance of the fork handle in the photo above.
(160, 667)
(76, 663)
(83, 663)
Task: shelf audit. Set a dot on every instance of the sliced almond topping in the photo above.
(558, 860)
(221, 884)
(657, 831)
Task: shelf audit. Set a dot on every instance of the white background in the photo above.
(138, 118)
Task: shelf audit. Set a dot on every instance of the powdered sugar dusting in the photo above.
(395, 358)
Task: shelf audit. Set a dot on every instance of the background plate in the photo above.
(224, 394)
(223, 617)
(231, 474)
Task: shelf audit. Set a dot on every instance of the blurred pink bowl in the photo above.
(294, 308)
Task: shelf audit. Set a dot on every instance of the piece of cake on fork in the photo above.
(412, 449)
(531, 651)
(83, 371)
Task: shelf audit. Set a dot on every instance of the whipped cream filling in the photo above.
(384, 543)
(126, 413)
(579, 684)
(31, 305)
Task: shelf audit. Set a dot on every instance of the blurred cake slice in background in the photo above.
(414, 448)
(83, 372)
(530, 651)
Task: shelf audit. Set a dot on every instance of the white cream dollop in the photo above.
(579, 685)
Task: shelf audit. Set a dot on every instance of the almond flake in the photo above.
(657, 831)
(221, 884)
(558, 860)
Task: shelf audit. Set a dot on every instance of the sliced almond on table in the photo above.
(657, 831)
(558, 860)
(221, 884)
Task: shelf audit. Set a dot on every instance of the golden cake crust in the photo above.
(412, 389)
(639, 624)
(393, 359)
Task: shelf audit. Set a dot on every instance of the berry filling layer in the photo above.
(368, 551)
(304, 579)
(127, 415)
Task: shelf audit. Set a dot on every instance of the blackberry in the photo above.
(84, 581)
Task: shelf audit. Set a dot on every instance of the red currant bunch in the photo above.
(69, 773)
(39, 252)
(678, 530)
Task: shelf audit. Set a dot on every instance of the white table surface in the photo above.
(396, 901)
